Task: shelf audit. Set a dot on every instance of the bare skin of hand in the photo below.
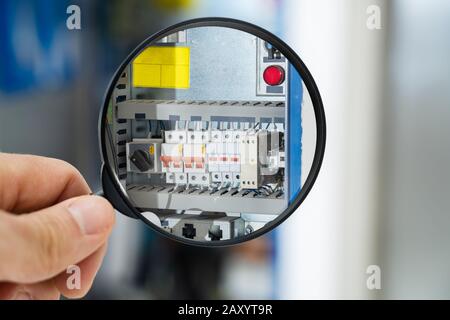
(48, 222)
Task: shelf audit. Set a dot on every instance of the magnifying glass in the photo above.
(212, 132)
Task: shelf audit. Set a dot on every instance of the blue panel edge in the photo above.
(294, 161)
(295, 131)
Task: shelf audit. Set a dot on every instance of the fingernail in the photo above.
(22, 295)
(92, 214)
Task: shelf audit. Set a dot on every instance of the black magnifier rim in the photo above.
(293, 59)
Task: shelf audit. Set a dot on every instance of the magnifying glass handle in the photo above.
(98, 193)
(113, 195)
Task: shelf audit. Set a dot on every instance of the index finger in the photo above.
(29, 183)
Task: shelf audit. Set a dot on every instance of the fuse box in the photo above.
(206, 152)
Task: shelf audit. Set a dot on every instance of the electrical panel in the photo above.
(210, 166)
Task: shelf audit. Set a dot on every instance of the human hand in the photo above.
(48, 222)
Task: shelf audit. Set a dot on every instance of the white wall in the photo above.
(326, 246)
(416, 219)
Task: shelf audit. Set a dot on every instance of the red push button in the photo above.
(274, 75)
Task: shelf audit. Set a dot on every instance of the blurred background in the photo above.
(382, 197)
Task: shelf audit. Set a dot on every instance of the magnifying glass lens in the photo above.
(209, 134)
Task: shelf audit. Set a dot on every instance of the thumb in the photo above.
(40, 245)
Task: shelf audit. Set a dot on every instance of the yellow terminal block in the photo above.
(162, 67)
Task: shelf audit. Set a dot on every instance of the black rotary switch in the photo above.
(141, 160)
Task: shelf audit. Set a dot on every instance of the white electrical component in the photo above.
(170, 178)
(237, 134)
(194, 158)
(216, 177)
(249, 161)
(175, 136)
(198, 137)
(199, 179)
(227, 136)
(222, 156)
(212, 157)
(172, 157)
(216, 135)
(181, 178)
(236, 179)
(227, 178)
(233, 157)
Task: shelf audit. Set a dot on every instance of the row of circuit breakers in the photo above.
(247, 158)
